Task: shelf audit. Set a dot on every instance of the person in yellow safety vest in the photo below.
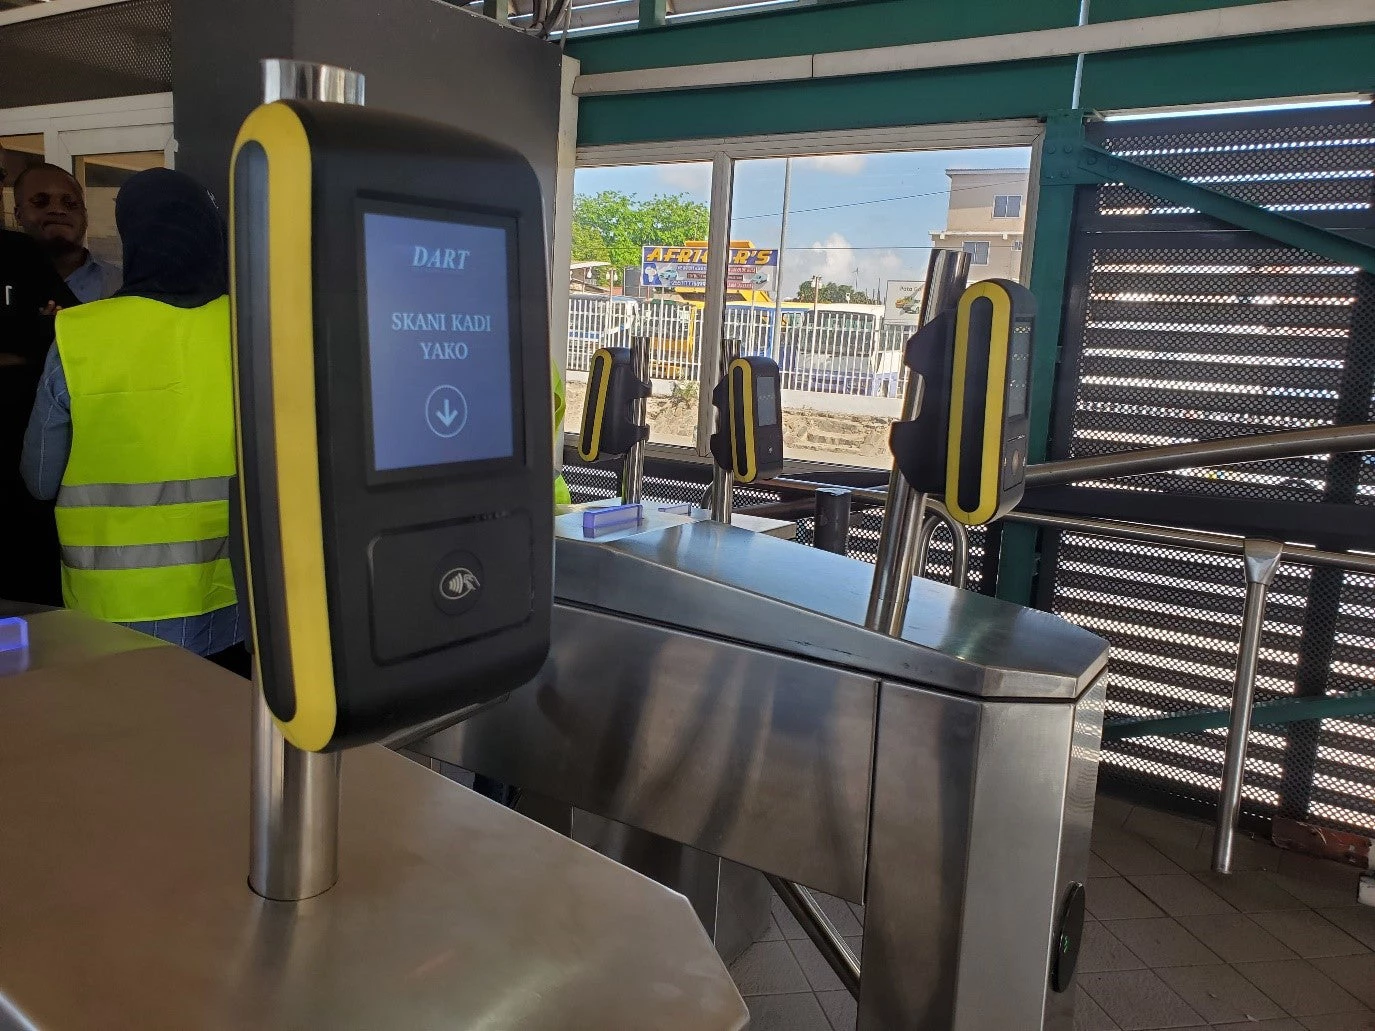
(133, 429)
(561, 493)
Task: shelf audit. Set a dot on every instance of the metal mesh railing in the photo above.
(1184, 330)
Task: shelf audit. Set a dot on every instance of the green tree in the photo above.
(831, 293)
(612, 226)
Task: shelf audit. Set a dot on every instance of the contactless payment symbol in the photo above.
(446, 411)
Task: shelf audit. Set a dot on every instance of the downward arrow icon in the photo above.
(446, 415)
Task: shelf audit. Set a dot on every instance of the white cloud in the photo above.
(839, 164)
(835, 261)
(693, 179)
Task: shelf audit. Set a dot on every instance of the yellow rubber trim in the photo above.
(751, 470)
(588, 451)
(279, 131)
(991, 446)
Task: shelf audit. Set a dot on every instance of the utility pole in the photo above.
(777, 348)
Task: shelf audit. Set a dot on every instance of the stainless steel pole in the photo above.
(633, 474)
(833, 948)
(1261, 559)
(959, 536)
(294, 817)
(776, 350)
(904, 508)
(714, 302)
(722, 481)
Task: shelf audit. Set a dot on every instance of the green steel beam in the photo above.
(1263, 714)
(653, 14)
(1097, 165)
(1052, 235)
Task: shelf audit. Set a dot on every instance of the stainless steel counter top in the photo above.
(778, 595)
(124, 851)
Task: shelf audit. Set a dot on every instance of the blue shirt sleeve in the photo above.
(48, 438)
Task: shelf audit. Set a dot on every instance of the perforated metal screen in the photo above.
(122, 49)
(1178, 329)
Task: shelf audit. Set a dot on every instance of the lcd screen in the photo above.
(438, 293)
(766, 398)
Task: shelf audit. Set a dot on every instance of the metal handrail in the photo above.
(1229, 451)
(959, 546)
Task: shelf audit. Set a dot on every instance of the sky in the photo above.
(856, 219)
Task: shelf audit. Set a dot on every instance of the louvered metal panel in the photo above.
(1179, 328)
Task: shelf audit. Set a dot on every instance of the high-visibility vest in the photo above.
(143, 511)
(561, 493)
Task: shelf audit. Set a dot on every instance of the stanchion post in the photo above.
(294, 814)
(1261, 559)
(832, 523)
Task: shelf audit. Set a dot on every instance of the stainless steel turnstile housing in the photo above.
(716, 687)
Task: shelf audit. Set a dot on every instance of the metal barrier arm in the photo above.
(1229, 451)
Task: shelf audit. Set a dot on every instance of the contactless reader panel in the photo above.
(969, 440)
(986, 449)
(749, 436)
(609, 426)
(392, 379)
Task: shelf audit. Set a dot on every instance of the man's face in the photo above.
(51, 209)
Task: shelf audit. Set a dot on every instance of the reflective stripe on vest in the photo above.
(143, 513)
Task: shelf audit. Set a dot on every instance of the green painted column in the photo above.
(1018, 558)
(652, 14)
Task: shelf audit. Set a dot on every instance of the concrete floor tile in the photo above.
(1277, 1024)
(1162, 942)
(1357, 921)
(1101, 951)
(1309, 934)
(787, 924)
(1299, 987)
(818, 972)
(768, 968)
(1354, 973)
(1089, 1016)
(1190, 860)
(1139, 1000)
(798, 1012)
(1181, 895)
(1321, 891)
(1113, 898)
(1220, 994)
(839, 913)
(1363, 1020)
(858, 911)
(1154, 825)
(856, 943)
(1098, 867)
(1111, 812)
(1129, 854)
(1250, 891)
(1250, 854)
(1236, 938)
(840, 1009)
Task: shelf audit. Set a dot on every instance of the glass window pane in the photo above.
(20, 153)
(838, 309)
(101, 176)
(639, 269)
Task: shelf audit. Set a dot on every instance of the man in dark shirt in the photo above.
(30, 292)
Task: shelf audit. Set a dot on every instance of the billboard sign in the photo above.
(685, 267)
(902, 300)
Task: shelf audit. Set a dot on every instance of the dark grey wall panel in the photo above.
(420, 57)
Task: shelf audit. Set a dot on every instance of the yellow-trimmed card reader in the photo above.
(608, 419)
(749, 436)
(392, 388)
(969, 442)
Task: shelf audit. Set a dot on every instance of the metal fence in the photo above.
(824, 351)
(1179, 328)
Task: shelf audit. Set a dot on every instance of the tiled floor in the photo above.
(1280, 945)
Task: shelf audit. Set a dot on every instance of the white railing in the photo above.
(827, 352)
